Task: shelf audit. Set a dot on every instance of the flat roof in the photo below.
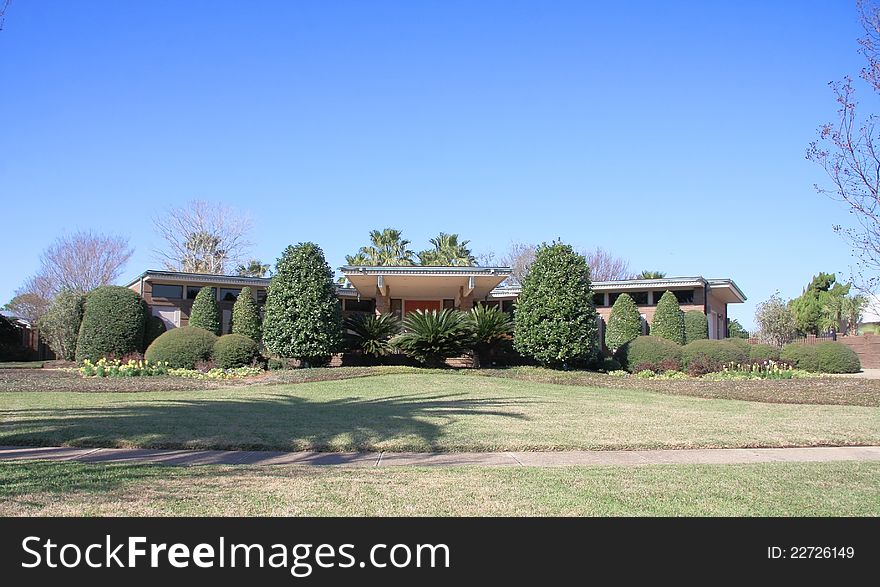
(424, 270)
(204, 277)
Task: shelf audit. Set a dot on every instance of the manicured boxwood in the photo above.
(720, 352)
(649, 352)
(112, 325)
(183, 347)
(668, 320)
(696, 326)
(235, 350)
(764, 352)
(154, 328)
(822, 357)
(205, 312)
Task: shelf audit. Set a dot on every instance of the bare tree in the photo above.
(203, 237)
(849, 151)
(519, 257)
(606, 267)
(81, 261)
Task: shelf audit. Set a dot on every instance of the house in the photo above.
(400, 290)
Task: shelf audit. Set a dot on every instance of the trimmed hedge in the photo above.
(624, 323)
(183, 347)
(112, 325)
(764, 352)
(205, 312)
(720, 352)
(649, 352)
(822, 357)
(235, 350)
(246, 316)
(696, 326)
(668, 320)
(155, 327)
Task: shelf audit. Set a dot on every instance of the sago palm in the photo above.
(371, 334)
(432, 336)
(491, 329)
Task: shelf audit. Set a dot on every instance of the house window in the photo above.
(261, 297)
(354, 305)
(657, 296)
(229, 295)
(449, 304)
(489, 304)
(192, 291)
(684, 296)
(598, 299)
(397, 307)
(640, 297)
(507, 306)
(612, 297)
(171, 292)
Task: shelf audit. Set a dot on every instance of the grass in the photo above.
(771, 489)
(422, 412)
(23, 365)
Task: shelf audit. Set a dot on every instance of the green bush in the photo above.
(371, 334)
(764, 352)
(432, 336)
(183, 347)
(624, 323)
(555, 320)
(649, 352)
(246, 316)
(696, 326)
(235, 350)
(302, 319)
(205, 312)
(154, 328)
(668, 319)
(59, 326)
(112, 325)
(822, 357)
(720, 352)
(492, 330)
(836, 357)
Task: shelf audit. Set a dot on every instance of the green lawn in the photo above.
(772, 489)
(422, 412)
(23, 365)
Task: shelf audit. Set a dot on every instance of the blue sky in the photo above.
(671, 133)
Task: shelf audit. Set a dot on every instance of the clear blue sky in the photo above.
(671, 133)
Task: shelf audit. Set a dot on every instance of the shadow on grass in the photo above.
(280, 422)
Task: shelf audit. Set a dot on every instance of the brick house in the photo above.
(400, 290)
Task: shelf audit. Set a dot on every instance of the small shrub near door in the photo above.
(649, 352)
(235, 350)
(183, 347)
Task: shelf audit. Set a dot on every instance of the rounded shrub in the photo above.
(720, 352)
(764, 352)
(235, 350)
(836, 357)
(649, 352)
(183, 347)
(668, 320)
(696, 326)
(801, 355)
(205, 312)
(112, 324)
(153, 330)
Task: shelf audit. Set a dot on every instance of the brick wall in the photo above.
(867, 346)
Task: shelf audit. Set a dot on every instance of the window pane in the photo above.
(192, 291)
(397, 307)
(449, 304)
(684, 296)
(640, 297)
(160, 290)
(360, 305)
(261, 296)
(598, 299)
(229, 295)
(612, 297)
(507, 305)
(658, 295)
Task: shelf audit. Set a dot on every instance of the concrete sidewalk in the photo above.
(409, 459)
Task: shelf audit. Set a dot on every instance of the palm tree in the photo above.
(387, 249)
(651, 275)
(448, 252)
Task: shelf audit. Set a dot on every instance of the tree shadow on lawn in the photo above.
(281, 422)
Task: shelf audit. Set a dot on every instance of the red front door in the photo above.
(413, 305)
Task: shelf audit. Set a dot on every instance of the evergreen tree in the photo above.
(624, 324)
(668, 319)
(112, 325)
(59, 326)
(246, 316)
(205, 312)
(303, 319)
(696, 326)
(555, 320)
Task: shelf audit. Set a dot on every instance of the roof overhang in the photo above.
(727, 290)
(201, 279)
(419, 282)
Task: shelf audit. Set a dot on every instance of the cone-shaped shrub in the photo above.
(246, 316)
(696, 326)
(624, 324)
(112, 325)
(303, 319)
(668, 319)
(205, 312)
(555, 320)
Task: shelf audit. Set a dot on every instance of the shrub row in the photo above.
(822, 357)
(183, 348)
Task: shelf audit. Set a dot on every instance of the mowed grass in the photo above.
(422, 412)
(771, 489)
